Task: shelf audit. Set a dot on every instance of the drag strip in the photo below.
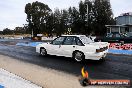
(115, 66)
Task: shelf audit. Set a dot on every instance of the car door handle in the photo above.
(73, 46)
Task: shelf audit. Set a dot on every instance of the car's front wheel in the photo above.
(78, 56)
(43, 52)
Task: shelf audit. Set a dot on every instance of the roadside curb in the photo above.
(15, 81)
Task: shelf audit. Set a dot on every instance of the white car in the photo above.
(78, 47)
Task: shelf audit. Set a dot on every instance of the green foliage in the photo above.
(7, 31)
(19, 30)
(90, 17)
(74, 20)
(37, 16)
(57, 22)
(103, 15)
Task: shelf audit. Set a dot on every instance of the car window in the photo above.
(110, 35)
(70, 41)
(79, 42)
(86, 40)
(58, 41)
(117, 35)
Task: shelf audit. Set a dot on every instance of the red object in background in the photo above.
(36, 38)
(120, 46)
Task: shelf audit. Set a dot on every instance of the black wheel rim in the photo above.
(78, 56)
(43, 52)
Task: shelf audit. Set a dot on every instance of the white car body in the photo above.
(89, 49)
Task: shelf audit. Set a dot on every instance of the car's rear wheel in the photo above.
(102, 59)
(78, 56)
(122, 42)
(43, 52)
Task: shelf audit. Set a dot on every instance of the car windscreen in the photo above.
(129, 34)
(86, 40)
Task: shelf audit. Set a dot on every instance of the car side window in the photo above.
(70, 41)
(79, 42)
(117, 35)
(58, 41)
(110, 35)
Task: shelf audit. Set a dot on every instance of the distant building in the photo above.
(123, 24)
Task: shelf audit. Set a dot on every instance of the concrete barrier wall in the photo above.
(16, 37)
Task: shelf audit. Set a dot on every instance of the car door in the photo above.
(68, 46)
(54, 47)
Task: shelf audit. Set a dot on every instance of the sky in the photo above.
(12, 11)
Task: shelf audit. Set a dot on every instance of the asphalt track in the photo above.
(114, 67)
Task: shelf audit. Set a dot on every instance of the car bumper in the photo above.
(96, 56)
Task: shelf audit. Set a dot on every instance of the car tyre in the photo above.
(102, 59)
(122, 42)
(78, 56)
(43, 52)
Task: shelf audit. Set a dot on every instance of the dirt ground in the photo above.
(44, 77)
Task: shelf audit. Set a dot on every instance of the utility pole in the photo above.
(32, 33)
(87, 1)
(87, 9)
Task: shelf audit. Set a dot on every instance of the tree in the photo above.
(28, 11)
(74, 20)
(19, 30)
(1, 32)
(82, 12)
(64, 20)
(26, 29)
(37, 13)
(103, 15)
(7, 31)
(89, 16)
(49, 24)
(57, 22)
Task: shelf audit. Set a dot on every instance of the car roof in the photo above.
(74, 35)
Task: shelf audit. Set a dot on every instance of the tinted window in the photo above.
(114, 35)
(79, 42)
(110, 35)
(117, 35)
(86, 40)
(58, 41)
(70, 41)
